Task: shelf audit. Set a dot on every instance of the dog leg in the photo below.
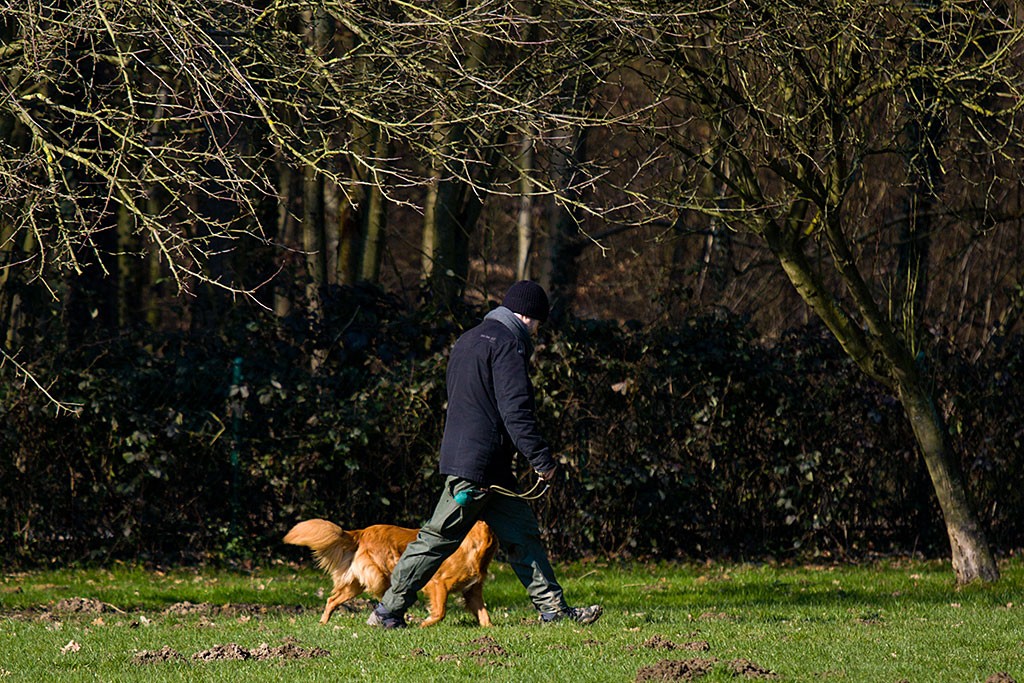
(474, 596)
(437, 598)
(339, 596)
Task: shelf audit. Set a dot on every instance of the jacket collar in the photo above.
(507, 318)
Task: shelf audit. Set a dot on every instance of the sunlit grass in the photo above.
(886, 622)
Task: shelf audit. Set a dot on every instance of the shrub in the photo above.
(687, 440)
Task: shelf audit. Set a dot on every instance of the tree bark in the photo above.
(447, 227)
(11, 302)
(524, 217)
(882, 357)
(374, 223)
(564, 244)
(287, 189)
(972, 559)
(313, 237)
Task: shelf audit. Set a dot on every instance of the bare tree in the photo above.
(809, 107)
(841, 138)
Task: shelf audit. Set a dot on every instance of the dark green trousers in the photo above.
(512, 521)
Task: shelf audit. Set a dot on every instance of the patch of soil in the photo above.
(164, 654)
(657, 642)
(690, 669)
(206, 609)
(484, 640)
(218, 653)
(187, 609)
(79, 606)
(489, 647)
(487, 652)
(359, 605)
(494, 650)
(76, 606)
(744, 667)
(676, 669)
(1000, 677)
(234, 651)
(287, 651)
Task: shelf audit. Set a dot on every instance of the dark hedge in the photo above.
(690, 440)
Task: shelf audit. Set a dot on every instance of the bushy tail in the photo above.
(332, 547)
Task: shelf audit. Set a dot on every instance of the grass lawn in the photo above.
(884, 622)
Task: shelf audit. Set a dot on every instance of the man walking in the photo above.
(491, 415)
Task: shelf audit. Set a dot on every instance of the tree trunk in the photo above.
(972, 559)
(313, 241)
(924, 134)
(11, 286)
(564, 244)
(320, 30)
(445, 239)
(126, 288)
(287, 189)
(524, 218)
(452, 206)
(374, 222)
(884, 358)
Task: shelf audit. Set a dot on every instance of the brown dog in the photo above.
(361, 561)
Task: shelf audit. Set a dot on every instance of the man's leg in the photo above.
(516, 527)
(438, 539)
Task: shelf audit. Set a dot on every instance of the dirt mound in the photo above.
(234, 651)
(1000, 677)
(288, 651)
(484, 651)
(164, 654)
(744, 667)
(220, 653)
(188, 609)
(79, 606)
(691, 669)
(489, 652)
(231, 651)
(493, 650)
(206, 609)
(676, 669)
(657, 642)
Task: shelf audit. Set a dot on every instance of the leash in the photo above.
(532, 494)
(463, 497)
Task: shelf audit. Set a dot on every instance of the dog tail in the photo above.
(332, 546)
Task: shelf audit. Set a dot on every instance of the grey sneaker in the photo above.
(382, 618)
(581, 615)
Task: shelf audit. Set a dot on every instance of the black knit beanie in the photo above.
(527, 298)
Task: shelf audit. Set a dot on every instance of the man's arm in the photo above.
(514, 394)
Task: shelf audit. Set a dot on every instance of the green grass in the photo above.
(884, 622)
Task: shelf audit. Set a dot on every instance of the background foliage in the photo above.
(164, 166)
(687, 440)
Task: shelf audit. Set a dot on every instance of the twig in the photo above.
(71, 408)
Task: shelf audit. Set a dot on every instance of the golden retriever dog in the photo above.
(361, 561)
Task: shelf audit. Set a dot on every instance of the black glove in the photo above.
(548, 475)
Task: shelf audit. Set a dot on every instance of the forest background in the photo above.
(782, 242)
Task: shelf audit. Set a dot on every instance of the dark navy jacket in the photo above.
(491, 411)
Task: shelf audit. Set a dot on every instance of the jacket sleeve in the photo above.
(514, 393)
